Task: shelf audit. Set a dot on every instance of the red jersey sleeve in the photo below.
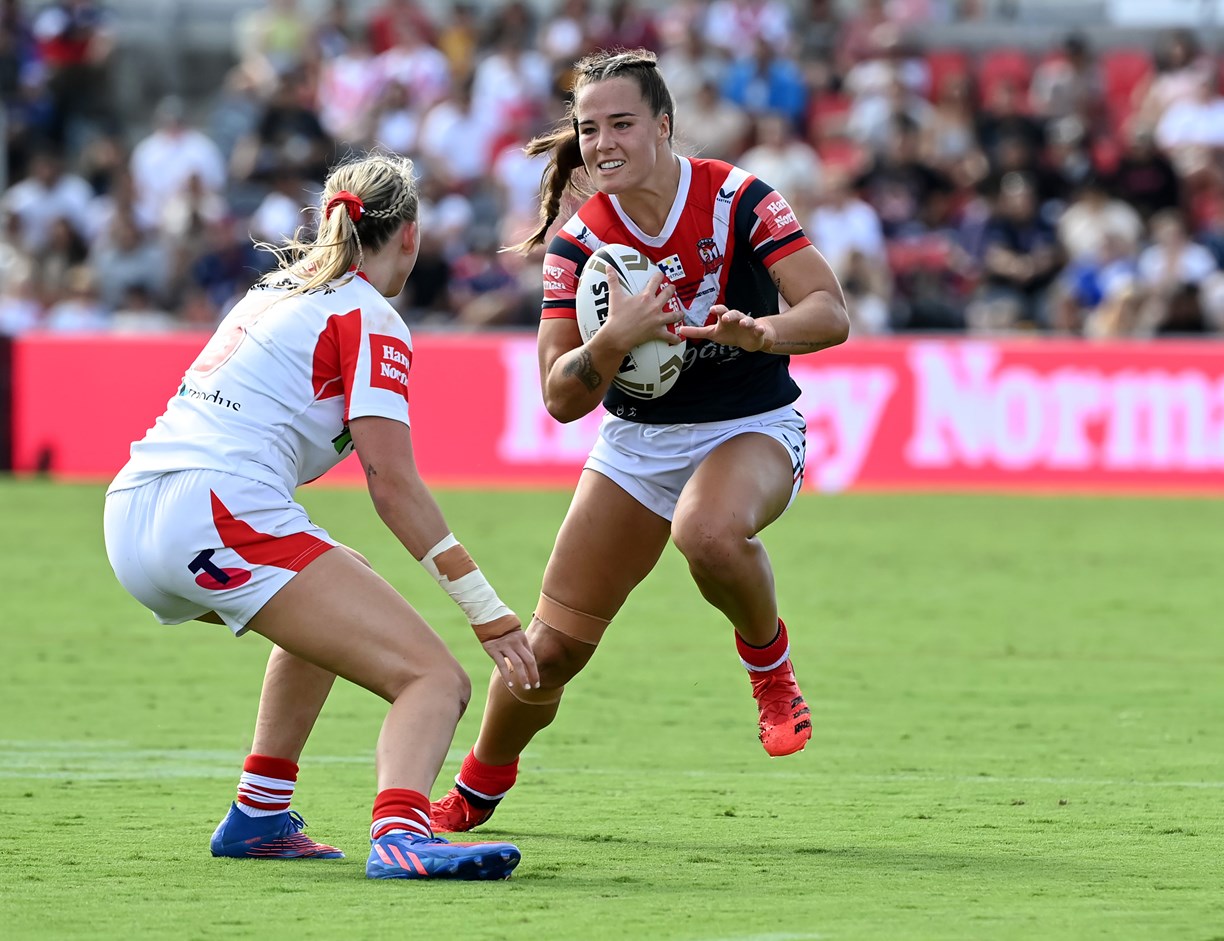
(563, 265)
(774, 231)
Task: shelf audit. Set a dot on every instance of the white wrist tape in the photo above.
(449, 563)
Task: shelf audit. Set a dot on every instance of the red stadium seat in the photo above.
(1000, 66)
(1122, 71)
(945, 63)
(841, 153)
(827, 114)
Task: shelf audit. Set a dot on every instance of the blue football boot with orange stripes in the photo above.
(407, 856)
(279, 836)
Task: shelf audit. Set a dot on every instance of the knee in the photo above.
(446, 681)
(705, 541)
(559, 658)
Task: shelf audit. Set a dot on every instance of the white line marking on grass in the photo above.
(96, 760)
(768, 937)
(117, 760)
(887, 778)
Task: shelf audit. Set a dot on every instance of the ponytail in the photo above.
(558, 177)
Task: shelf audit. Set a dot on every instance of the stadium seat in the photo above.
(1004, 65)
(841, 153)
(827, 114)
(1122, 71)
(944, 63)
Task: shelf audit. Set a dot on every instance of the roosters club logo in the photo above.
(711, 257)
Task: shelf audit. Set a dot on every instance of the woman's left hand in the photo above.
(732, 328)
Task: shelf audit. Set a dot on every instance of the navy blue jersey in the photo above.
(724, 230)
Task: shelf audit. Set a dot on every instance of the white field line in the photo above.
(767, 937)
(117, 760)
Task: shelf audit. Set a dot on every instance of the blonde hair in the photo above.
(641, 65)
(385, 185)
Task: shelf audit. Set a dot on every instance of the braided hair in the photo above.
(364, 202)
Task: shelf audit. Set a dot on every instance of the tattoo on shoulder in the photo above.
(582, 369)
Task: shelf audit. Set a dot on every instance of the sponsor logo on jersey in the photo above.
(672, 267)
(215, 397)
(711, 256)
(390, 363)
(213, 577)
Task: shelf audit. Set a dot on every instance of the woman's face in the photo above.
(619, 137)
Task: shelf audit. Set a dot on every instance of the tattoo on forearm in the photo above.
(582, 369)
(782, 346)
(777, 280)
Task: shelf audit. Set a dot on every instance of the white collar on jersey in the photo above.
(673, 217)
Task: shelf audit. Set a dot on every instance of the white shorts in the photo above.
(196, 541)
(652, 463)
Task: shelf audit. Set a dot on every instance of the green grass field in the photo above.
(1018, 703)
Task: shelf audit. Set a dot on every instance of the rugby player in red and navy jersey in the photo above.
(709, 464)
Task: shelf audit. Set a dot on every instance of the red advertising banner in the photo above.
(906, 414)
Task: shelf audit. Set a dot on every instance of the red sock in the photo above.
(769, 657)
(486, 782)
(398, 808)
(266, 785)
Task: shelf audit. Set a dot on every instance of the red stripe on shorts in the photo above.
(293, 552)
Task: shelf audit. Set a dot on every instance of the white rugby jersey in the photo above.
(271, 394)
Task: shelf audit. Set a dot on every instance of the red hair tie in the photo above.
(351, 202)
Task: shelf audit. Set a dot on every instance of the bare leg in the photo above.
(293, 695)
(608, 543)
(381, 644)
(738, 490)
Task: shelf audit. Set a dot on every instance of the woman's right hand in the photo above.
(511, 652)
(636, 318)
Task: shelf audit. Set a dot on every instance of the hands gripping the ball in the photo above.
(733, 328)
(651, 314)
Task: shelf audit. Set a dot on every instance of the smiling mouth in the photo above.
(607, 166)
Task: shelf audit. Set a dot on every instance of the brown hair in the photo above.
(641, 65)
(386, 186)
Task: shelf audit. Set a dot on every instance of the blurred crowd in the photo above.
(1070, 190)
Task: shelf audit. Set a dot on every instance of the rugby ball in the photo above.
(650, 369)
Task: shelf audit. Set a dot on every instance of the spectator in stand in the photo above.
(763, 80)
(1068, 157)
(1014, 155)
(899, 185)
(847, 232)
(1069, 84)
(872, 116)
(1191, 130)
(278, 216)
(395, 123)
(1094, 218)
(892, 60)
(270, 41)
(713, 127)
(459, 41)
(348, 90)
(1097, 289)
(791, 165)
(688, 64)
(628, 27)
(860, 34)
(1144, 177)
(127, 258)
(64, 250)
(454, 141)
(287, 134)
(47, 194)
(76, 43)
(1003, 119)
(949, 136)
(164, 162)
(1179, 277)
(330, 36)
(516, 175)
(733, 25)
(387, 19)
(79, 310)
(137, 312)
(26, 107)
(485, 291)
(412, 62)
(1180, 67)
(1021, 261)
(512, 79)
(565, 35)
